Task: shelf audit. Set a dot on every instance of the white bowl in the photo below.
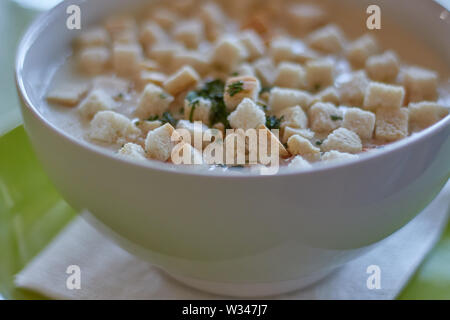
(243, 235)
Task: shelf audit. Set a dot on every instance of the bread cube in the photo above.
(324, 117)
(272, 140)
(330, 94)
(360, 50)
(95, 37)
(201, 110)
(253, 43)
(298, 145)
(353, 89)
(342, 140)
(154, 77)
(293, 117)
(184, 153)
(189, 32)
(334, 155)
(383, 95)
(245, 69)
(239, 88)
(281, 98)
(195, 130)
(384, 67)
(151, 33)
(94, 60)
(153, 102)
(160, 142)
(132, 151)
(248, 115)
(290, 49)
(360, 122)
(265, 70)
(112, 127)
(424, 114)
(119, 23)
(328, 39)
(299, 163)
(420, 84)
(181, 80)
(97, 100)
(213, 19)
(127, 59)
(195, 59)
(67, 95)
(165, 18)
(391, 124)
(228, 52)
(290, 75)
(163, 53)
(306, 16)
(319, 74)
(145, 126)
(289, 132)
(149, 65)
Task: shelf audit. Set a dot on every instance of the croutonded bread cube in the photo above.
(151, 33)
(328, 39)
(153, 102)
(330, 94)
(272, 139)
(95, 37)
(360, 122)
(148, 125)
(194, 129)
(68, 95)
(126, 59)
(265, 70)
(298, 145)
(353, 89)
(94, 60)
(384, 67)
(195, 59)
(391, 124)
(421, 84)
(290, 75)
(334, 155)
(293, 117)
(181, 80)
(160, 142)
(281, 98)
(319, 74)
(248, 115)
(238, 88)
(324, 117)
(189, 32)
(112, 127)
(424, 114)
(342, 140)
(97, 100)
(299, 163)
(163, 52)
(132, 151)
(228, 53)
(253, 43)
(289, 132)
(383, 95)
(360, 50)
(306, 16)
(198, 110)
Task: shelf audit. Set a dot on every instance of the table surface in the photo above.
(32, 212)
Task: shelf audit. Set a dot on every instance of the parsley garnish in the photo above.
(166, 118)
(317, 87)
(191, 113)
(163, 95)
(265, 89)
(273, 122)
(235, 88)
(235, 74)
(335, 117)
(319, 142)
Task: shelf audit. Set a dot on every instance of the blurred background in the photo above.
(32, 212)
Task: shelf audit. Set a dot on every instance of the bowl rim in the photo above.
(34, 30)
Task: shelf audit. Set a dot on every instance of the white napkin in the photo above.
(108, 272)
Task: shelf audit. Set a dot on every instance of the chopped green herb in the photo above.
(317, 87)
(335, 117)
(273, 122)
(181, 110)
(263, 106)
(119, 96)
(235, 74)
(163, 95)
(191, 113)
(319, 142)
(265, 89)
(235, 88)
(153, 118)
(168, 118)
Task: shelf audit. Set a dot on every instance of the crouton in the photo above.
(360, 50)
(383, 95)
(245, 69)
(97, 100)
(247, 115)
(160, 142)
(165, 18)
(289, 49)
(146, 125)
(195, 59)
(328, 39)
(151, 33)
(391, 124)
(198, 110)
(306, 16)
(152, 102)
(290, 75)
(265, 70)
(293, 117)
(342, 140)
(299, 163)
(424, 114)
(181, 80)
(154, 77)
(132, 151)
(184, 153)
(421, 84)
(330, 94)
(213, 19)
(289, 132)
(67, 95)
(298, 145)
(334, 155)
(94, 60)
(189, 32)
(126, 59)
(238, 88)
(112, 127)
(196, 131)
(281, 98)
(272, 139)
(163, 53)
(360, 122)
(319, 74)
(95, 37)
(324, 117)
(353, 89)
(228, 52)
(253, 43)
(384, 67)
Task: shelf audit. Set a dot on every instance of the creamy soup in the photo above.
(246, 84)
